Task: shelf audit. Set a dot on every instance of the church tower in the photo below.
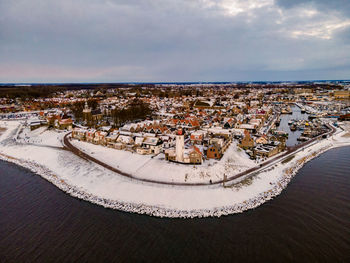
(87, 114)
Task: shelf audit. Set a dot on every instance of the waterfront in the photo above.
(285, 118)
(308, 222)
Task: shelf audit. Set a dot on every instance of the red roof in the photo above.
(197, 150)
(66, 121)
(196, 136)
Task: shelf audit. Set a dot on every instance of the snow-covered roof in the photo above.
(125, 139)
(125, 133)
(247, 126)
(139, 140)
(151, 141)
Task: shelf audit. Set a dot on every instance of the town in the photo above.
(188, 124)
(104, 143)
(175, 131)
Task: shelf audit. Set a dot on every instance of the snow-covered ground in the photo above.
(41, 136)
(143, 166)
(89, 181)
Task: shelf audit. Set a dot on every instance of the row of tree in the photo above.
(78, 107)
(137, 110)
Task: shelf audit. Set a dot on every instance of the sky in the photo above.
(173, 40)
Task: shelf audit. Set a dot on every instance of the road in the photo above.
(290, 150)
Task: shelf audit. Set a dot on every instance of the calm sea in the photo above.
(308, 222)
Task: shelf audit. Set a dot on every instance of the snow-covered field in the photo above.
(143, 166)
(89, 181)
(41, 136)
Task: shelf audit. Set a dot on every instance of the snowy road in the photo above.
(252, 171)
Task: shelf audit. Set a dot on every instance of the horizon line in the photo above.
(175, 82)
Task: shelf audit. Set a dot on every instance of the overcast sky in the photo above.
(173, 40)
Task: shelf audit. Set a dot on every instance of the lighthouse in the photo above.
(180, 146)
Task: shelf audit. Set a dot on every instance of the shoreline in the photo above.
(288, 173)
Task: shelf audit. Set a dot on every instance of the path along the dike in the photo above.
(252, 171)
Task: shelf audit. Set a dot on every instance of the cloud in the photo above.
(165, 40)
(53, 73)
(341, 6)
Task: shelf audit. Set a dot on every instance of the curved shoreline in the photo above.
(259, 199)
(291, 150)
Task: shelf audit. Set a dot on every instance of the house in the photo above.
(263, 139)
(126, 140)
(214, 152)
(51, 119)
(139, 140)
(249, 127)
(281, 145)
(195, 155)
(170, 155)
(230, 123)
(217, 131)
(154, 144)
(237, 133)
(265, 151)
(79, 134)
(118, 145)
(90, 135)
(168, 142)
(64, 124)
(256, 122)
(196, 138)
(111, 139)
(218, 141)
(100, 138)
(143, 151)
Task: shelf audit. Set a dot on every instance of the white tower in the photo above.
(87, 114)
(86, 108)
(180, 146)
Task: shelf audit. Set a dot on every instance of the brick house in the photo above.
(214, 152)
(79, 134)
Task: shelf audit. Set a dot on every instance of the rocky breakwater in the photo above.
(277, 187)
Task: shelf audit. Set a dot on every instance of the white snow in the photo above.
(89, 181)
(157, 168)
(41, 136)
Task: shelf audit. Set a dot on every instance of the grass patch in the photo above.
(2, 130)
(246, 182)
(346, 135)
(288, 159)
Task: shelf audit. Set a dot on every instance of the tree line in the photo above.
(136, 110)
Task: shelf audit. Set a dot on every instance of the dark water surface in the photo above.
(285, 118)
(308, 222)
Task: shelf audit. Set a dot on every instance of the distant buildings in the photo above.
(342, 94)
(209, 117)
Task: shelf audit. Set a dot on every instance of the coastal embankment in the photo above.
(89, 181)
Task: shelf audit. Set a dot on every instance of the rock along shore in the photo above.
(276, 188)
